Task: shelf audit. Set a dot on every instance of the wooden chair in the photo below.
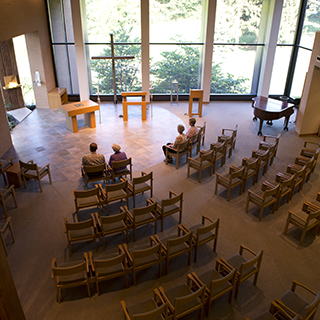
(264, 198)
(114, 224)
(154, 308)
(234, 178)
(263, 156)
(181, 150)
(219, 153)
(295, 305)
(71, 274)
(5, 226)
(141, 185)
(170, 206)
(114, 192)
(4, 166)
(309, 152)
(141, 216)
(246, 267)
(204, 161)
(123, 164)
(202, 132)
(272, 142)
(251, 170)
(175, 245)
(228, 145)
(30, 170)
(203, 233)
(86, 198)
(229, 133)
(286, 187)
(278, 314)
(80, 231)
(109, 267)
(96, 173)
(299, 177)
(143, 256)
(4, 197)
(217, 282)
(184, 299)
(306, 219)
(194, 142)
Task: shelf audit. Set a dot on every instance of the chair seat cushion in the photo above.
(76, 277)
(237, 260)
(88, 201)
(294, 302)
(115, 194)
(142, 307)
(170, 209)
(144, 217)
(141, 186)
(174, 249)
(118, 225)
(204, 236)
(109, 270)
(31, 174)
(87, 232)
(303, 215)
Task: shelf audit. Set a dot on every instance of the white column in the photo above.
(79, 49)
(208, 50)
(272, 30)
(145, 55)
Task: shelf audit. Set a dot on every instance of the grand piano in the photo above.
(271, 109)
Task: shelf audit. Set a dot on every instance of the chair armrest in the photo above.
(102, 192)
(186, 230)
(183, 230)
(296, 216)
(96, 218)
(157, 240)
(285, 308)
(163, 295)
(242, 248)
(256, 195)
(296, 283)
(86, 259)
(280, 310)
(312, 206)
(222, 177)
(171, 193)
(65, 228)
(10, 189)
(196, 279)
(221, 262)
(158, 297)
(204, 218)
(91, 260)
(44, 167)
(267, 185)
(129, 215)
(233, 169)
(194, 161)
(53, 265)
(125, 248)
(30, 161)
(94, 222)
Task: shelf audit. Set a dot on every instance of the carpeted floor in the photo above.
(39, 229)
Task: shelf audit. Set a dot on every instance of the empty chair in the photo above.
(86, 198)
(263, 156)
(229, 133)
(109, 267)
(170, 206)
(234, 178)
(184, 298)
(204, 232)
(299, 177)
(306, 219)
(153, 308)
(181, 150)
(143, 256)
(5, 197)
(114, 224)
(30, 170)
(204, 161)
(251, 170)
(279, 313)
(228, 145)
(80, 231)
(247, 267)
(5, 226)
(219, 153)
(120, 168)
(286, 187)
(202, 132)
(293, 304)
(95, 173)
(268, 195)
(4, 166)
(311, 149)
(143, 215)
(175, 245)
(71, 274)
(141, 185)
(218, 282)
(114, 192)
(272, 142)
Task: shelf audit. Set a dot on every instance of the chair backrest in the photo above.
(218, 148)
(236, 173)
(208, 228)
(94, 169)
(121, 164)
(116, 186)
(28, 166)
(172, 200)
(122, 216)
(311, 309)
(79, 225)
(182, 146)
(155, 314)
(86, 193)
(101, 264)
(207, 156)
(79, 270)
(270, 192)
(136, 212)
(144, 178)
(250, 165)
(313, 215)
(171, 243)
(221, 282)
(250, 263)
(142, 253)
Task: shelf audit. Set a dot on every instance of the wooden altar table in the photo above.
(86, 107)
(125, 103)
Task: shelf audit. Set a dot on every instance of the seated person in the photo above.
(193, 129)
(117, 156)
(93, 158)
(179, 139)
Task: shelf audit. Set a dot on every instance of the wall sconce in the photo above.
(37, 80)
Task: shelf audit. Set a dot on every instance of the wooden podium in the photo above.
(195, 94)
(143, 103)
(86, 107)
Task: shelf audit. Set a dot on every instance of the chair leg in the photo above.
(200, 176)
(217, 182)
(260, 214)
(237, 290)
(14, 198)
(304, 232)
(195, 254)
(247, 204)
(11, 230)
(287, 225)
(40, 185)
(3, 244)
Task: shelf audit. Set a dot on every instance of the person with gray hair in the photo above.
(179, 139)
(117, 156)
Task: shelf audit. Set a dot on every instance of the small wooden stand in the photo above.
(86, 107)
(14, 176)
(195, 94)
(57, 97)
(143, 103)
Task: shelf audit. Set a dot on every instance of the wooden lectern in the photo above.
(195, 94)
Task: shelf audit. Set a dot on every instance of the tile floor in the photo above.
(44, 137)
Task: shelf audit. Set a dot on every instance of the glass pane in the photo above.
(300, 72)
(57, 23)
(173, 62)
(120, 17)
(280, 70)
(175, 21)
(311, 23)
(62, 67)
(128, 71)
(232, 69)
(237, 21)
(288, 22)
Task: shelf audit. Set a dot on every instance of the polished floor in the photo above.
(44, 137)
